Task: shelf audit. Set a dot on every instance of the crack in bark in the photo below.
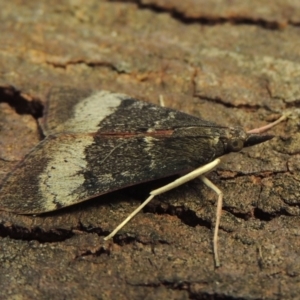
(64, 65)
(207, 20)
(23, 104)
(22, 233)
(101, 250)
(218, 100)
(187, 216)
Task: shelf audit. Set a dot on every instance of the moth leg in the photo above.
(190, 176)
(208, 183)
(135, 212)
(161, 101)
(269, 126)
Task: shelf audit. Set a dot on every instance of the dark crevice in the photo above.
(290, 205)
(205, 20)
(8, 160)
(42, 236)
(51, 236)
(293, 104)
(21, 233)
(239, 215)
(261, 175)
(186, 286)
(20, 103)
(187, 216)
(214, 296)
(181, 285)
(230, 105)
(124, 239)
(98, 252)
(91, 229)
(87, 63)
(263, 216)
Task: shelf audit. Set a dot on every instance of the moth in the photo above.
(98, 141)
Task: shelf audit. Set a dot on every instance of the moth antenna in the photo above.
(269, 126)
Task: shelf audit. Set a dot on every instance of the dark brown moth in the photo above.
(97, 142)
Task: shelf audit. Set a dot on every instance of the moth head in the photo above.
(237, 139)
(235, 145)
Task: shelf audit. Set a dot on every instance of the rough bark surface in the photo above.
(231, 63)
